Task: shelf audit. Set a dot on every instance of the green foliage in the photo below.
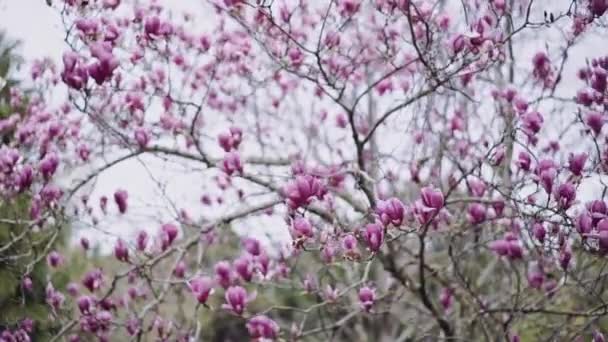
(22, 246)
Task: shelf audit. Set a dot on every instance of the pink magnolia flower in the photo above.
(262, 327)
(446, 297)
(120, 198)
(476, 213)
(597, 7)
(565, 195)
(508, 247)
(48, 165)
(103, 68)
(595, 121)
(85, 303)
(180, 269)
(232, 163)
(237, 299)
(374, 236)
(390, 211)
(54, 259)
(168, 234)
(53, 297)
(141, 137)
(597, 335)
(93, 280)
(432, 198)
(535, 276)
(27, 284)
(121, 250)
(152, 26)
(74, 74)
(244, 267)
(301, 228)
(223, 272)
(477, 187)
(201, 288)
(300, 192)
(576, 163)
(141, 240)
(252, 246)
(367, 297)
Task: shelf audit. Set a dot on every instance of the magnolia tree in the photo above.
(438, 167)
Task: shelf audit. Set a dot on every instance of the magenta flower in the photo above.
(349, 7)
(542, 67)
(535, 276)
(152, 26)
(390, 211)
(374, 236)
(24, 178)
(225, 141)
(72, 289)
(223, 273)
(201, 288)
(232, 164)
(73, 74)
(367, 297)
(300, 192)
(565, 257)
(141, 137)
(237, 299)
(27, 284)
(120, 198)
(54, 298)
(539, 232)
(180, 269)
(446, 297)
(546, 178)
(576, 163)
(597, 8)
(121, 251)
(301, 228)
(54, 259)
(48, 165)
(244, 267)
(595, 121)
(111, 4)
(585, 97)
(523, 161)
(102, 69)
(532, 122)
(84, 243)
(432, 198)
(262, 263)
(477, 187)
(262, 327)
(349, 242)
(476, 213)
(85, 303)
(584, 223)
(565, 195)
(508, 247)
(168, 234)
(93, 280)
(87, 26)
(141, 240)
(252, 246)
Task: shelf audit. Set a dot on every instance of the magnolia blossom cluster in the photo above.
(405, 163)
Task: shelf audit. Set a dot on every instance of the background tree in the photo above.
(24, 271)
